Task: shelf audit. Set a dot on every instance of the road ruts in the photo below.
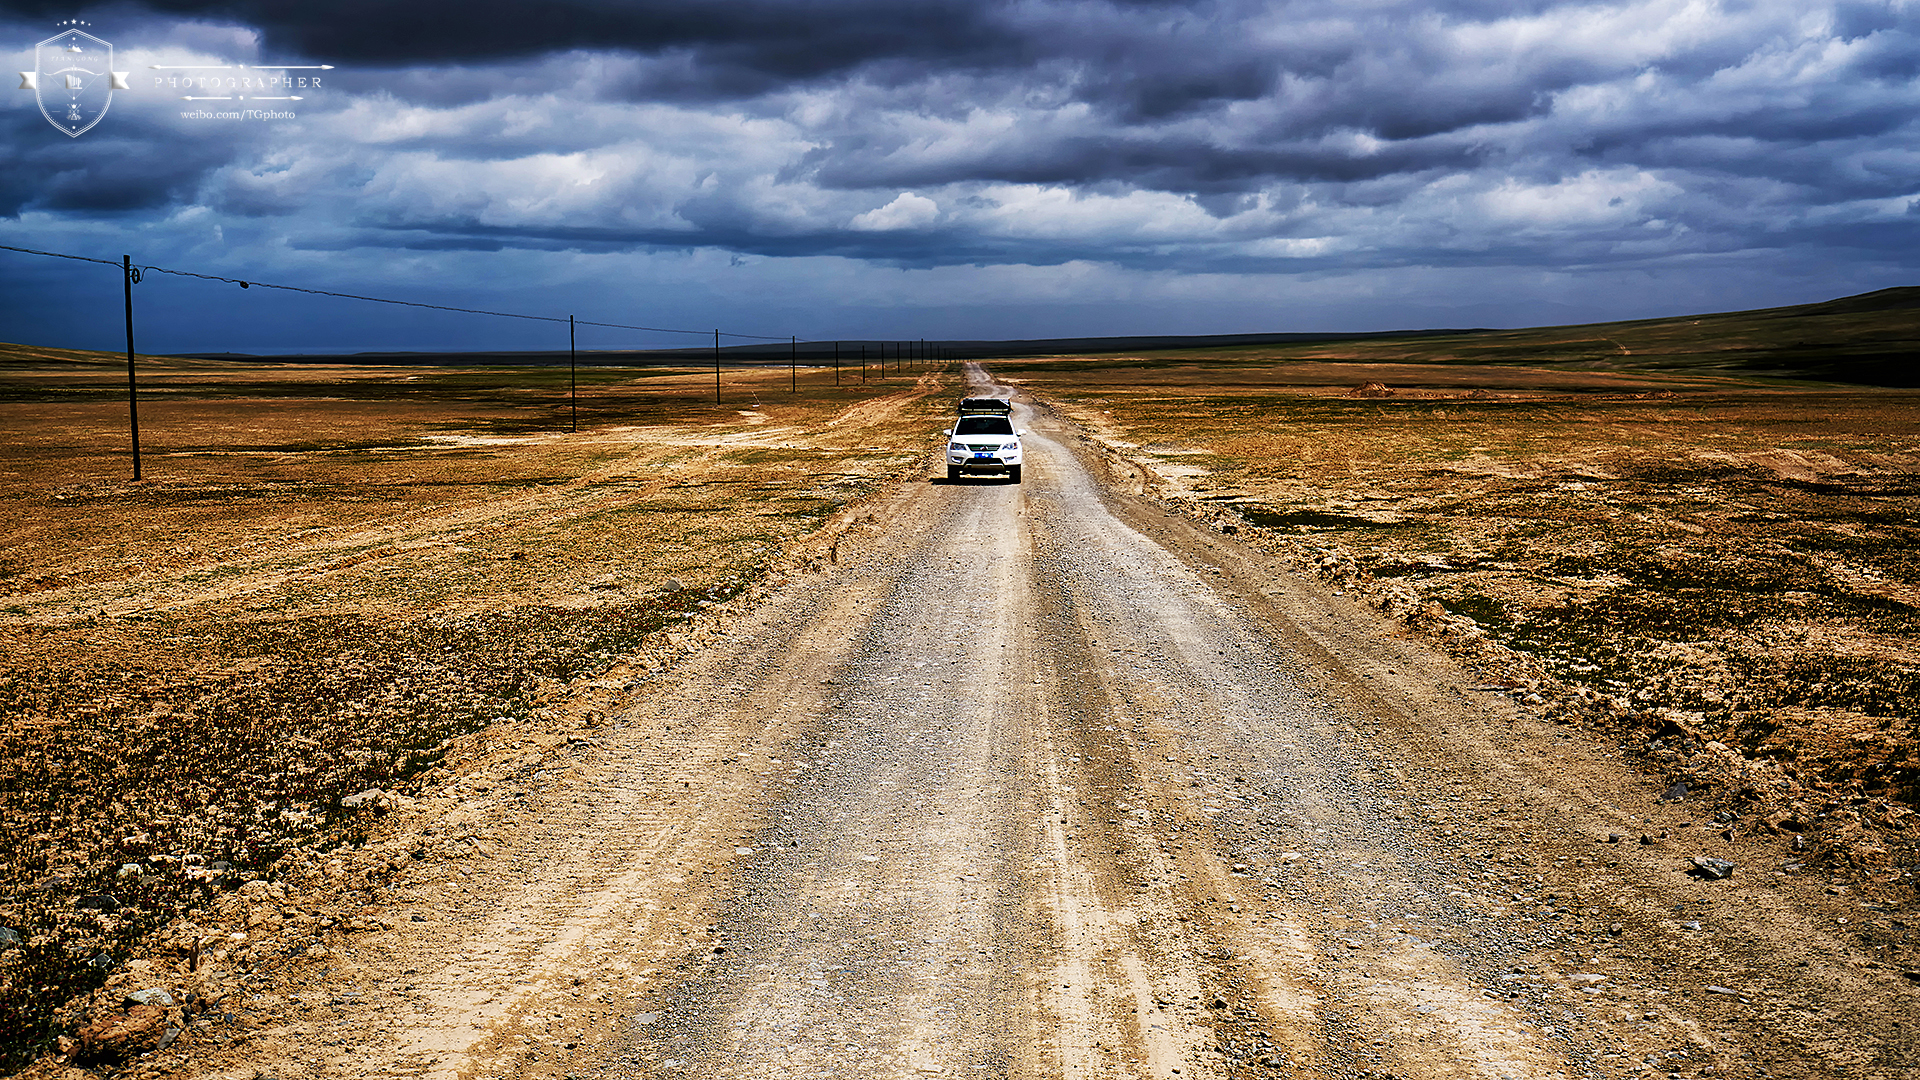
(999, 858)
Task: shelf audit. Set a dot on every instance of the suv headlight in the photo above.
(1011, 446)
(956, 446)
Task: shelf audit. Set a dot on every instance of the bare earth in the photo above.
(1033, 780)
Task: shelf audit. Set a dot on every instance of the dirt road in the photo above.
(1038, 781)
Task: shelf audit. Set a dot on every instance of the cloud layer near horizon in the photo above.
(1226, 142)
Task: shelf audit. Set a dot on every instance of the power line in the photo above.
(131, 274)
(60, 255)
(137, 271)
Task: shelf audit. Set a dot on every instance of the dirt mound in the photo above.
(1370, 390)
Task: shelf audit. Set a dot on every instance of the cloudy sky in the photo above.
(963, 168)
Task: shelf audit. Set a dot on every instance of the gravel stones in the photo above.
(1710, 869)
(151, 996)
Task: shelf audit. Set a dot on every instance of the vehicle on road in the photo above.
(991, 406)
(984, 440)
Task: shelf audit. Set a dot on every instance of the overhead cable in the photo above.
(249, 284)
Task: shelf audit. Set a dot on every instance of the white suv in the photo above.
(983, 440)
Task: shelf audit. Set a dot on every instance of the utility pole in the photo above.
(130, 276)
(573, 379)
(716, 367)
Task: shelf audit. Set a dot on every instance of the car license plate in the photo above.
(983, 454)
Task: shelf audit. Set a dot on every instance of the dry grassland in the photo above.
(1725, 573)
(330, 575)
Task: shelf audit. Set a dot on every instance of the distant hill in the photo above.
(849, 351)
(1901, 298)
(1872, 339)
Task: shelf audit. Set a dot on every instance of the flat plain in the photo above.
(1304, 714)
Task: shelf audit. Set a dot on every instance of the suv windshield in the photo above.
(983, 425)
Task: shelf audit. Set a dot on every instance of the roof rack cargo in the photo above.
(993, 405)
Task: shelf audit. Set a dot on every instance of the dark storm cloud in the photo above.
(775, 40)
(1182, 163)
(1140, 63)
(85, 175)
(1197, 96)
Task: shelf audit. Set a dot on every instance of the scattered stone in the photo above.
(97, 902)
(9, 939)
(370, 798)
(1586, 978)
(151, 996)
(115, 1038)
(1710, 869)
(1675, 792)
(1723, 991)
(127, 870)
(1614, 838)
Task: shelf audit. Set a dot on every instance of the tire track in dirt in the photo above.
(1182, 668)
